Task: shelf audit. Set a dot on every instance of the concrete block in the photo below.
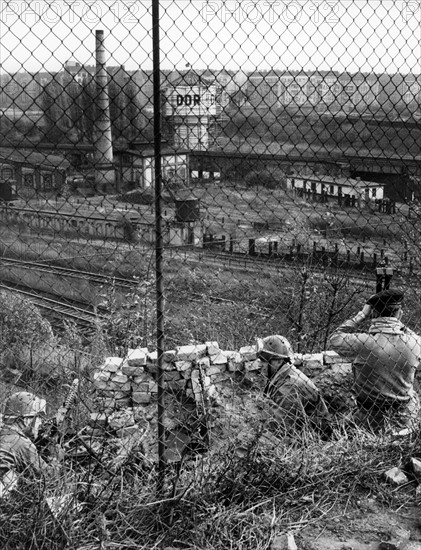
(104, 376)
(141, 398)
(132, 370)
(103, 403)
(212, 348)
(313, 357)
(101, 384)
(248, 353)
(285, 541)
(119, 378)
(234, 356)
(153, 387)
(172, 376)
(196, 386)
(151, 368)
(169, 356)
(183, 365)
(315, 366)
(416, 466)
(341, 369)
(330, 357)
(152, 358)
(168, 366)
(121, 419)
(112, 364)
(145, 377)
(176, 384)
(137, 357)
(142, 387)
(190, 353)
(218, 378)
(216, 369)
(186, 374)
(119, 386)
(98, 419)
(396, 476)
(234, 366)
(123, 403)
(255, 365)
(219, 359)
(204, 363)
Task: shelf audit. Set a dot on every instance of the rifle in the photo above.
(52, 428)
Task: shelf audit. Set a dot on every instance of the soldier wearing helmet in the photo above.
(297, 398)
(18, 454)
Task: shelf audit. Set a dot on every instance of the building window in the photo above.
(332, 189)
(7, 174)
(28, 179)
(374, 193)
(47, 181)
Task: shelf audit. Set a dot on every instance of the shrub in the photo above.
(268, 178)
(21, 324)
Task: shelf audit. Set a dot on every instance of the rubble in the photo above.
(123, 387)
(396, 476)
(284, 541)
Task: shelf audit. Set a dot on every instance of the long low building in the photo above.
(329, 186)
(22, 169)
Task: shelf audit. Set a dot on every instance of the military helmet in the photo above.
(275, 347)
(24, 404)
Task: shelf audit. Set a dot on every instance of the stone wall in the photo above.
(124, 388)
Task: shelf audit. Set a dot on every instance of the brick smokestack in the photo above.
(104, 169)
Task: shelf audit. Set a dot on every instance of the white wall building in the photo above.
(363, 191)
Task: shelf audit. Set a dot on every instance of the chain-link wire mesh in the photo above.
(210, 243)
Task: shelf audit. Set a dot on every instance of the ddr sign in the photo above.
(188, 100)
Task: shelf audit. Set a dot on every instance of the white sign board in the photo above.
(191, 101)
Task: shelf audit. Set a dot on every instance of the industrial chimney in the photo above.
(104, 167)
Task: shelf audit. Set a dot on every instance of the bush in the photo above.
(270, 179)
(21, 324)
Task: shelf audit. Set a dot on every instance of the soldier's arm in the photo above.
(345, 340)
(29, 458)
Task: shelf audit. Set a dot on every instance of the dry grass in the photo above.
(253, 482)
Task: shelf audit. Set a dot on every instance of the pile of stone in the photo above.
(126, 389)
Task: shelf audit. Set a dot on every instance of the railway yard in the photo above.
(256, 239)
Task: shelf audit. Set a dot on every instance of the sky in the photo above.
(353, 35)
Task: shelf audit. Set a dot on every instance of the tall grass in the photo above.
(249, 486)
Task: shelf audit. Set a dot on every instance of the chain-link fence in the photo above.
(209, 220)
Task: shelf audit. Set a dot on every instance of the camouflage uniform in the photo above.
(297, 398)
(18, 455)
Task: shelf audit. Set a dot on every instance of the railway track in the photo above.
(58, 310)
(272, 266)
(95, 278)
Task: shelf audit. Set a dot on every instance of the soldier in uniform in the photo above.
(385, 358)
(18, 454)
(297, 399)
